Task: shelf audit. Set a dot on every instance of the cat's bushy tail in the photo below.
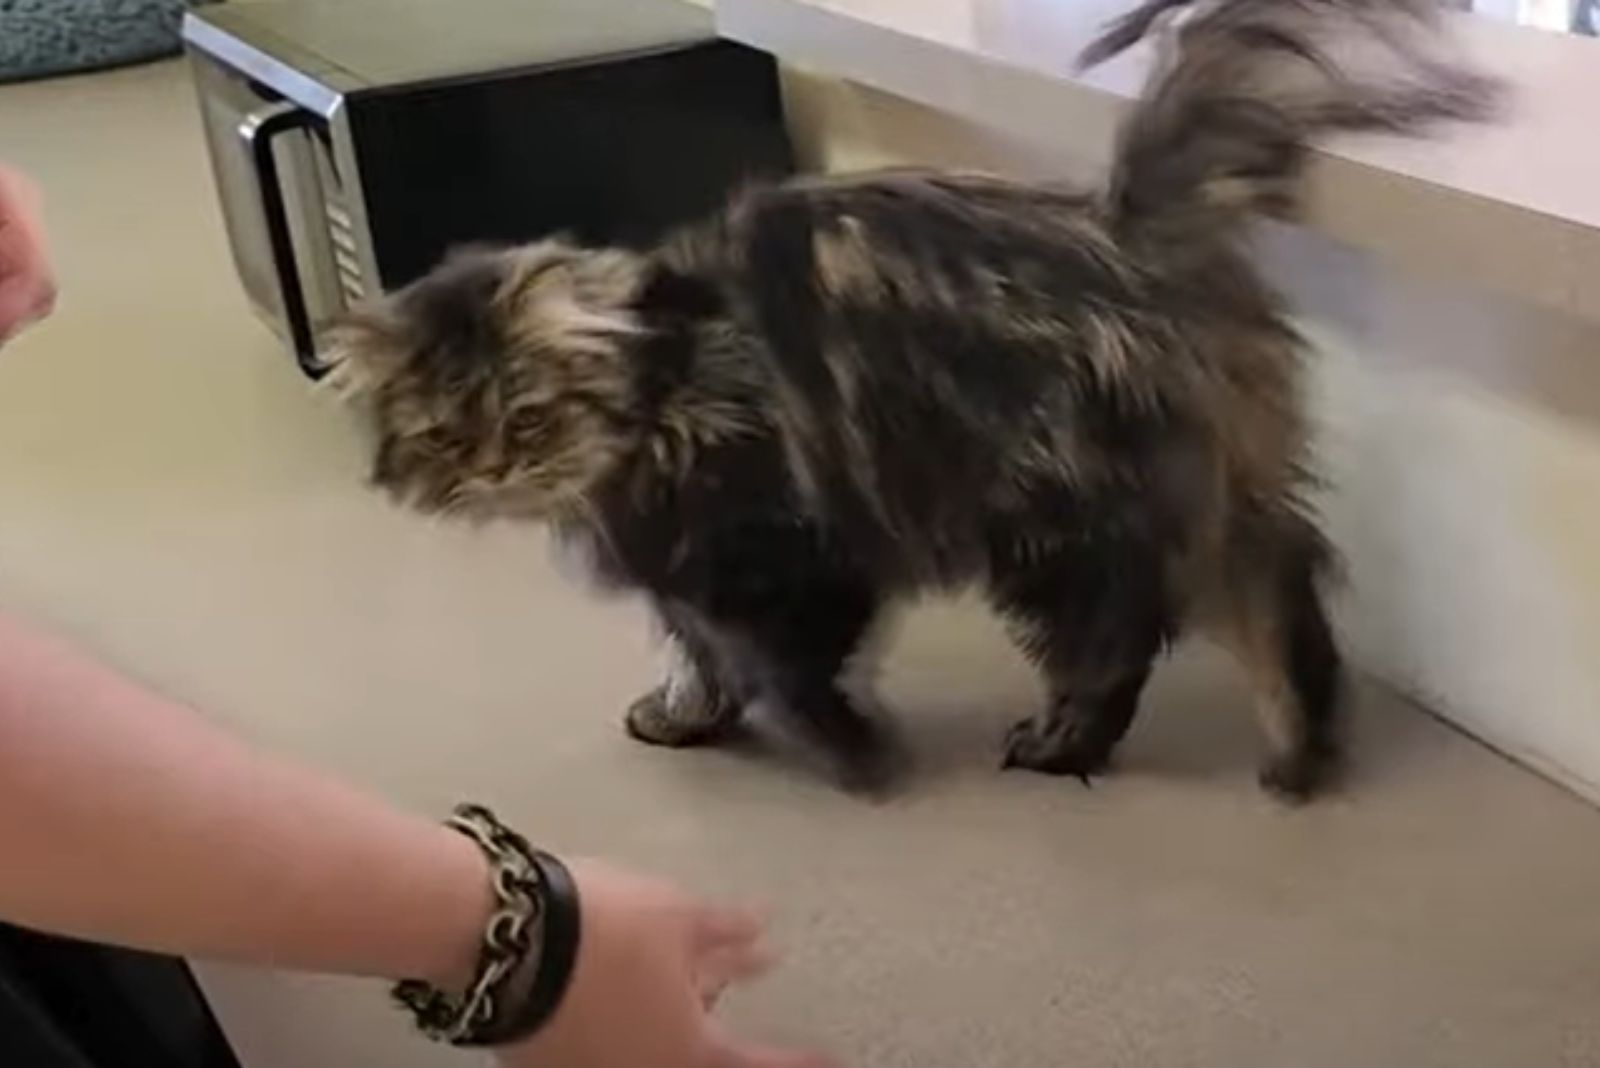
(1241, 91)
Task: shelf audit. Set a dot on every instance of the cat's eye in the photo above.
(527, 425)
(438, 438)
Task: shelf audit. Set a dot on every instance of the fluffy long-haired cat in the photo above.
(841, 391)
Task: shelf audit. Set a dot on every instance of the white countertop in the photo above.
(1514, 205)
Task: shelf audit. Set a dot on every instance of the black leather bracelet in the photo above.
(558, 957)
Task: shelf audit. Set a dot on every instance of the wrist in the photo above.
(449, 924)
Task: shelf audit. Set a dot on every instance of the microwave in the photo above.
(355, 142)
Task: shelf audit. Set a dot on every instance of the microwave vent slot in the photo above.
(347, 264)
(345, 247)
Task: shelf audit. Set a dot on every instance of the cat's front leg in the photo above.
(695, 704)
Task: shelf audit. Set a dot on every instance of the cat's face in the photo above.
(496, 385)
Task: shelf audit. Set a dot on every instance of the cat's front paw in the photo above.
(655, 720)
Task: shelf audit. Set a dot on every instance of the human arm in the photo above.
(127, 818)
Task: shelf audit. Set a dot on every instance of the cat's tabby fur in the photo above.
(844, 390)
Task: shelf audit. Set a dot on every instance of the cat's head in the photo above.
(497, 384)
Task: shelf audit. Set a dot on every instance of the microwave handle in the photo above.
(258, 130)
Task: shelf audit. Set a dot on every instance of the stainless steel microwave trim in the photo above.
(286, 76)
(302, 96)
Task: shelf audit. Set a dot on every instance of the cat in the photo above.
(841, 391)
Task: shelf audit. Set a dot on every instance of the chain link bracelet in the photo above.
(530, 944)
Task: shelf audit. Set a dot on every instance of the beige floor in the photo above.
(172, 494)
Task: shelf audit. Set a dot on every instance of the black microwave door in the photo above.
(614, 151)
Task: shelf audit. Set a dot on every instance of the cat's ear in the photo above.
(362, 349)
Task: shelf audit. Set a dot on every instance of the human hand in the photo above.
(651, 965)
(27, 286)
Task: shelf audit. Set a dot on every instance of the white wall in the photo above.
(1463, 435)
(1462, 432)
